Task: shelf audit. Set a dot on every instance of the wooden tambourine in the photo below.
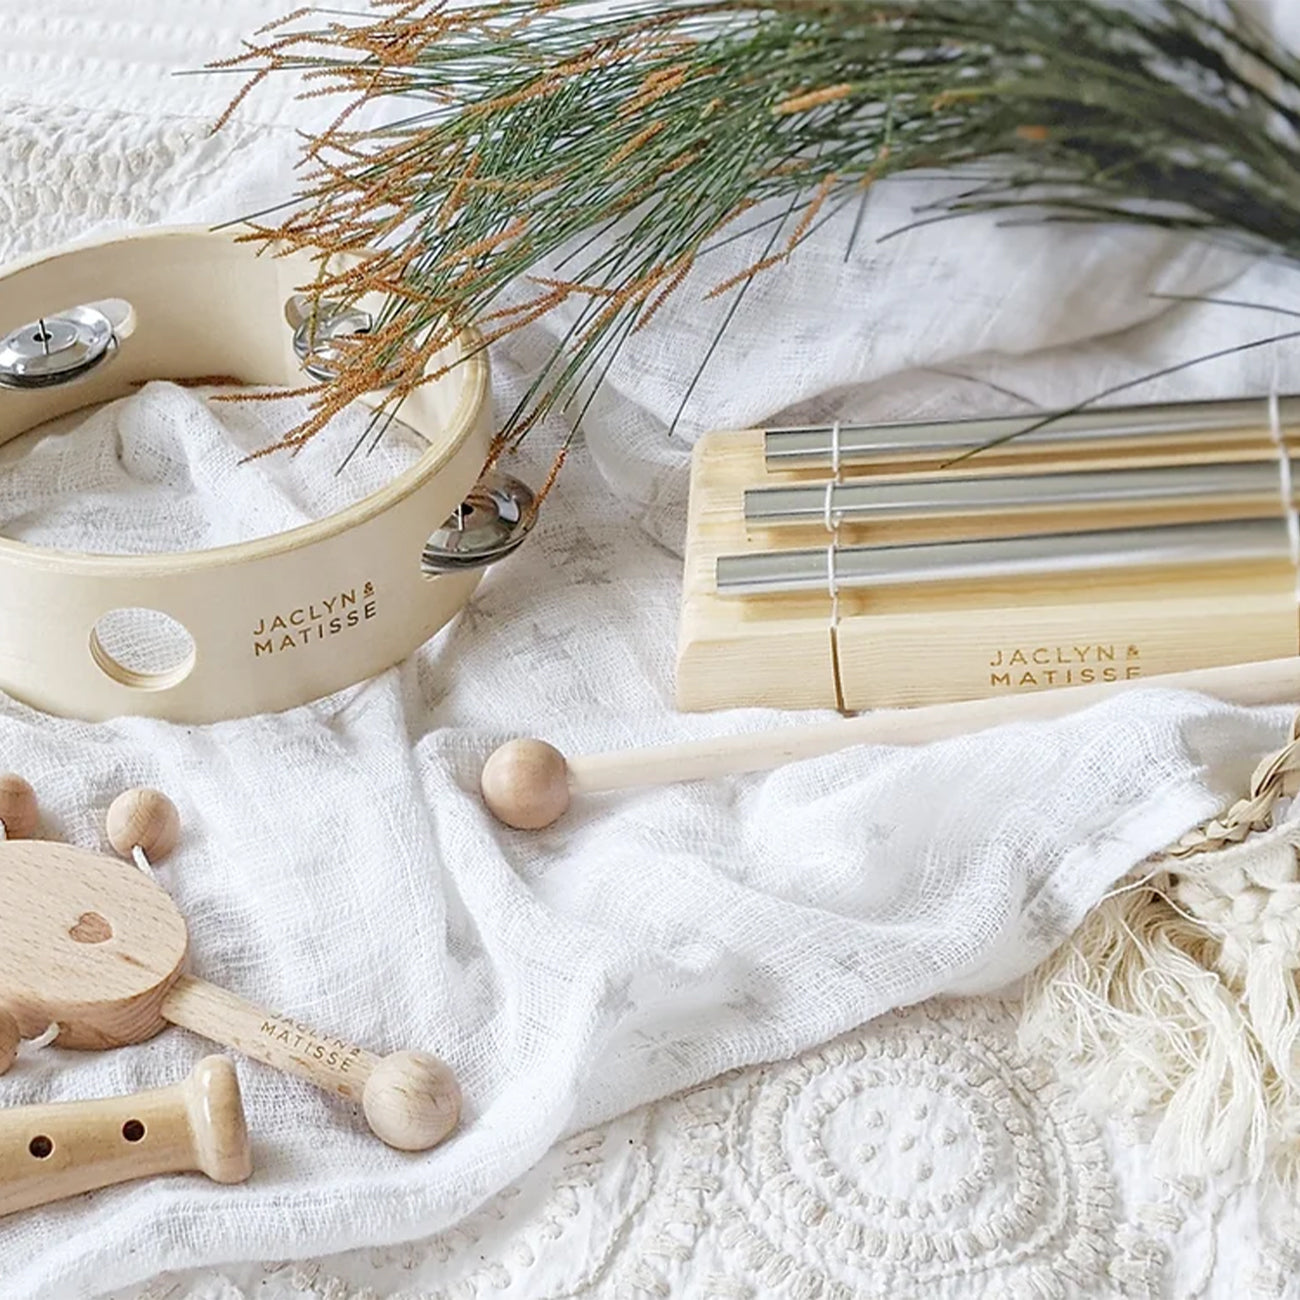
(274, 622)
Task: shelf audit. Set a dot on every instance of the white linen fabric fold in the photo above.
(337, 864)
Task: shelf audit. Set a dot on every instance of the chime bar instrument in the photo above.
(865, 444)
(1066, 555)
(874, 502)
(876, 566)
(528, 784)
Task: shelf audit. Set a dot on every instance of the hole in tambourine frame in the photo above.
(144, 649)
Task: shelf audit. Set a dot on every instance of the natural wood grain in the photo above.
(48, 1153)
(143, 819)
(939, 642)
(10, 1038)
(95, 946)
(411, 1100)
(525, 783)
(19, 814)
(87, 942)
(323, 1059)
(348, 591)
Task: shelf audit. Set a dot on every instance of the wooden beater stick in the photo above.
(528, 784)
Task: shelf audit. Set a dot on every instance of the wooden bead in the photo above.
(411, 1101)
(10, 1037)
(526, 784)
(143, 819)
(18, 808)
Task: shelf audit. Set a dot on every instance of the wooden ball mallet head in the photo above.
(96, 946)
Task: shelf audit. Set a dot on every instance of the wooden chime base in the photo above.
(935, 641)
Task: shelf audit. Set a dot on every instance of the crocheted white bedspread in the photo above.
(921, 1156)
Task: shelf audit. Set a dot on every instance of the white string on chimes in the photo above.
(1240, 489)
(529, 784)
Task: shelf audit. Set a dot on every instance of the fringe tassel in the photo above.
(1178, 996)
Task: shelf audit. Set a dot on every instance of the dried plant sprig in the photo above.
(615, 146)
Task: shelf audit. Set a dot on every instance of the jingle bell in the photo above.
(317, 328)
(486, 527)
(56, 349)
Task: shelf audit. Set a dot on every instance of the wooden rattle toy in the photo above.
(268, 624)
(529, 784)
(48, 1153)
(96, 947)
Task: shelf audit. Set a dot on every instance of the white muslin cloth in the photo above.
(337, 864)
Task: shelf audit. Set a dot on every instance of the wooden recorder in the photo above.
(48, 1153)
(869, 566)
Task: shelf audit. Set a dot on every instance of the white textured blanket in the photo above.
(337, 863)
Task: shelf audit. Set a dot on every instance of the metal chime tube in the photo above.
(868, 502)
(857, 567)
(863, 444)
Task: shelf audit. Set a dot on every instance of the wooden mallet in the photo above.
(529, 784)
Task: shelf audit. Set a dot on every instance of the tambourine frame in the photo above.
(277, 621)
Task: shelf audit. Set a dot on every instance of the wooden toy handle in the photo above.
(51, 1152)
(528, 784)
(410, 1100)
(275, 1040)
(1275, 681)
